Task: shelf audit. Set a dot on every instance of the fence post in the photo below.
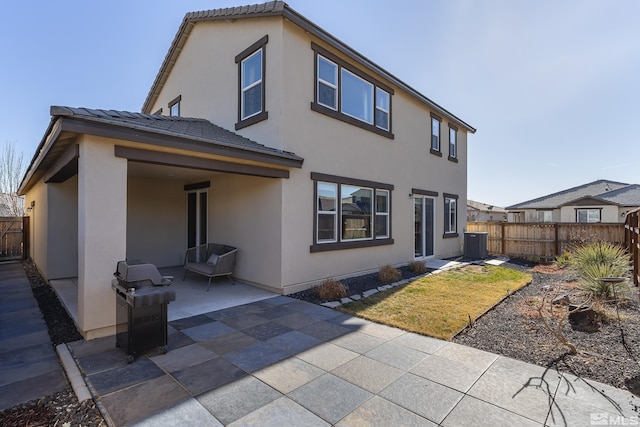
(26, 238)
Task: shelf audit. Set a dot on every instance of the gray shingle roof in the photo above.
(625, 196)
(597, 189)
(279, 8)
(183, 127)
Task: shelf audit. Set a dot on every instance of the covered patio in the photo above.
(107, 186)
(192, 297)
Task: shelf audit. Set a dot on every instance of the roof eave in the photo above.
(286, 12)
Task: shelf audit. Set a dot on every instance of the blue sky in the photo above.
(551, 86)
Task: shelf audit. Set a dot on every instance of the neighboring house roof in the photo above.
(179, 132)
(277, 8)
(625, 196)
(600, 189)
(485, 207)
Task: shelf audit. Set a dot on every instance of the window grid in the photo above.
(255, 82)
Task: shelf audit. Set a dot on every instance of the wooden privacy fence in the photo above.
(11, 238)
(632, 241)
(543, 240)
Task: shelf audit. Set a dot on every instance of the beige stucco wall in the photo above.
(102, 225)
(39, 224)
(156, 220)
(62, 245)
(284, 225)
(246, 212)
(206, 75)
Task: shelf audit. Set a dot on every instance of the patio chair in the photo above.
(211, 260)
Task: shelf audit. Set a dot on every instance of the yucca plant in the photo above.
(598, 260)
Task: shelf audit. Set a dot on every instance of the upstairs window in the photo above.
(327, 83)
(251, 88)
(174, 107)
(435, 135)
(453, 143)
(347, 94)
(356, 97)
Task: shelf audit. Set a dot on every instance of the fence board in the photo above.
(632, 242)
(543, 240)
(10, 238)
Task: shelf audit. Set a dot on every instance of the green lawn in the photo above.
(440, 305)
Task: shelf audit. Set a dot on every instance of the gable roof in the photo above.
(599, 189)
(625, 196)
(278, 8)
(485, 207)
(192, 134)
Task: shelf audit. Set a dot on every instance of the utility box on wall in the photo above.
(475, 245)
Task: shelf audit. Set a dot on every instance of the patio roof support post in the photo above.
(102, 228)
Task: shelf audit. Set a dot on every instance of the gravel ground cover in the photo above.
(62, 408)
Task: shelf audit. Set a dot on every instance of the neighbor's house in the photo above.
(482, 212)
(598, 201)
(320, 164)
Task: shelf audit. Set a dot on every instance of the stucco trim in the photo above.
(65, 167)
(169, 159)
(172, 141)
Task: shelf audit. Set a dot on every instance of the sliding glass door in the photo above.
(423, 217)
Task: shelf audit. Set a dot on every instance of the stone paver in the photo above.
(291, 363)
(29, 365)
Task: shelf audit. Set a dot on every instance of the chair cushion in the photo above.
(213, 259)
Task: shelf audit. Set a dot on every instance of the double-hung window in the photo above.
(350, 213)
(435, 135)
(453, 143)
(347, 94)
(450, 215)
(544, 216)
(251, 85)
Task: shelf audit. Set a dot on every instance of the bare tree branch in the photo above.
(11, 171)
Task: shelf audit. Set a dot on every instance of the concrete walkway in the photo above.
(29, 366)
(284, 362)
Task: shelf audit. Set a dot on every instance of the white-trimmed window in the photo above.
(450, 215)
(382, 109)
(435, 134)
(327, 83)
(346, 93)
(588, 215)
(174, 107)
(251, 85)
(350, 213)
(382, 213)
(327, 195)
(453, 142)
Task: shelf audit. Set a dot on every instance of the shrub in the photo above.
(330, 290)
(417, 267)
(597, 260)
(565, 260)
(389, 274)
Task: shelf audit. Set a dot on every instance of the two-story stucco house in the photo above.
(263, 132)
(597, 201)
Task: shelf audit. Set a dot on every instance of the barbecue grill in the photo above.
(142, 296)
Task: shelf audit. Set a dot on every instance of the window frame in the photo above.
(599, 210)
(334, 213)
(438, 149)
(543, 212)
(257, 47)
(320, 81)
(453, 143)
(450, 230)
(173, 103)
(385, 215)
(351, 243)
(338, 113)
